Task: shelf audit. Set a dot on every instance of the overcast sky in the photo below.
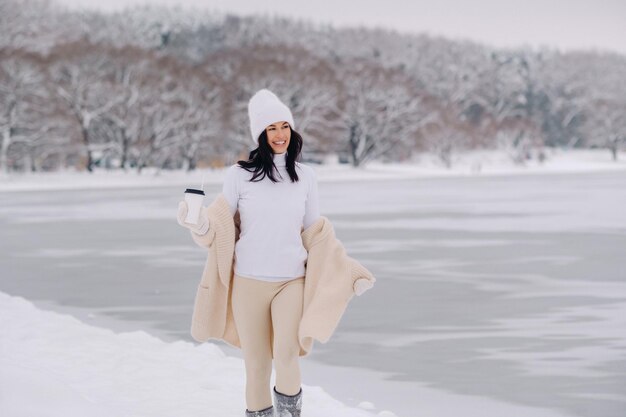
(566, 24)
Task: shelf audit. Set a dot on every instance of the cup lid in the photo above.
(194, 191)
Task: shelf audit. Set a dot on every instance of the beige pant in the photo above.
(267, 316)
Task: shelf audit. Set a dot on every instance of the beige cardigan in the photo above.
(329, 279)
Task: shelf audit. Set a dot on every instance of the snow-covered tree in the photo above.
(605, 106)
(378, 111)
(83, 78)
(200, 130)
(26, 116)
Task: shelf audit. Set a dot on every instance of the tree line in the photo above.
(166, 88)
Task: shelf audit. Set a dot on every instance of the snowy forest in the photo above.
(168, 88)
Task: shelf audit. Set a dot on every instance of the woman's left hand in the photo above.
(361, 285)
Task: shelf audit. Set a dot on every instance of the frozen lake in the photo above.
(511, 288)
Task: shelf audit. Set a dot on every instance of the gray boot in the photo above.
(288, 405)
(266, 412)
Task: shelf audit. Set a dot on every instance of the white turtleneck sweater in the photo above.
(272, 217)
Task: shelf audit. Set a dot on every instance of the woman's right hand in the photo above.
(203, 223)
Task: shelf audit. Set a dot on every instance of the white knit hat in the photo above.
(264, 108)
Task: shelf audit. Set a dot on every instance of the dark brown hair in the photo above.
(261, 159)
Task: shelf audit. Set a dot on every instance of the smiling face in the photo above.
(278, 136)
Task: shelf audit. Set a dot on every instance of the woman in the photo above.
(277, 201)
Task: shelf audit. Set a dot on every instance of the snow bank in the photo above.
(55, 365)
(474, 163)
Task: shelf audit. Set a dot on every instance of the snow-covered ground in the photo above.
(54, 365)
(475, 163)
